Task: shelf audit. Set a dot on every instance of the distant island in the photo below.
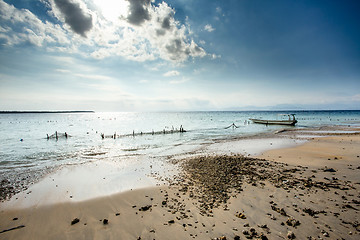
(14, 112)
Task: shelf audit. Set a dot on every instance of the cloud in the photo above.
(166, 23)
(209, 28)
(145, 31)
(171, 74)
(199, 70)
(139, 12)
(93, 76)
(220, 13)
(214, 56)
(78, 20)
(18, 26)
(168, 37)
(155, 36)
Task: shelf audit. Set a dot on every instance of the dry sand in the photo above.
(309, 192)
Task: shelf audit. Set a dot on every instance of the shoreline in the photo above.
(248, 145)
(151, 175)
(317, 201)
(66, 183)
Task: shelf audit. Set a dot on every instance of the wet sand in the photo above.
(309, 191)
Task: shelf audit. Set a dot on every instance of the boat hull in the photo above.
(275, 122)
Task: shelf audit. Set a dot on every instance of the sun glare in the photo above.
(113, 9)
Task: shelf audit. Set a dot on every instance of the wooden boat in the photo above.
(290, 122)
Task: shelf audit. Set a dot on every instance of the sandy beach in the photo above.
(307, 191)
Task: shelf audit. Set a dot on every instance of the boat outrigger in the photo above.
(291, 121)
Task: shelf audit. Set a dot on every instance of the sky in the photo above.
(179, 55)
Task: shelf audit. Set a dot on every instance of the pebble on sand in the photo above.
(290, 235)
(241, 215)
(145, 208)
(329, 170)
(74, 221)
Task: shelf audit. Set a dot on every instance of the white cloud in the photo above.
(168, 37)
(93, 76)
(147, 32)
(171, 74)
(199, 70)
(209, 28)
(220, 13)
(29, 28)
(214, 56)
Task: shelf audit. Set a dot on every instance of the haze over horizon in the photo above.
(179, 55)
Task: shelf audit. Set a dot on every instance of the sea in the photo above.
(35, 144)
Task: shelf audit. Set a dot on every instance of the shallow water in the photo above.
(26, 154)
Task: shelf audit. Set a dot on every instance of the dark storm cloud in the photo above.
(138, 12)
(79, 21)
